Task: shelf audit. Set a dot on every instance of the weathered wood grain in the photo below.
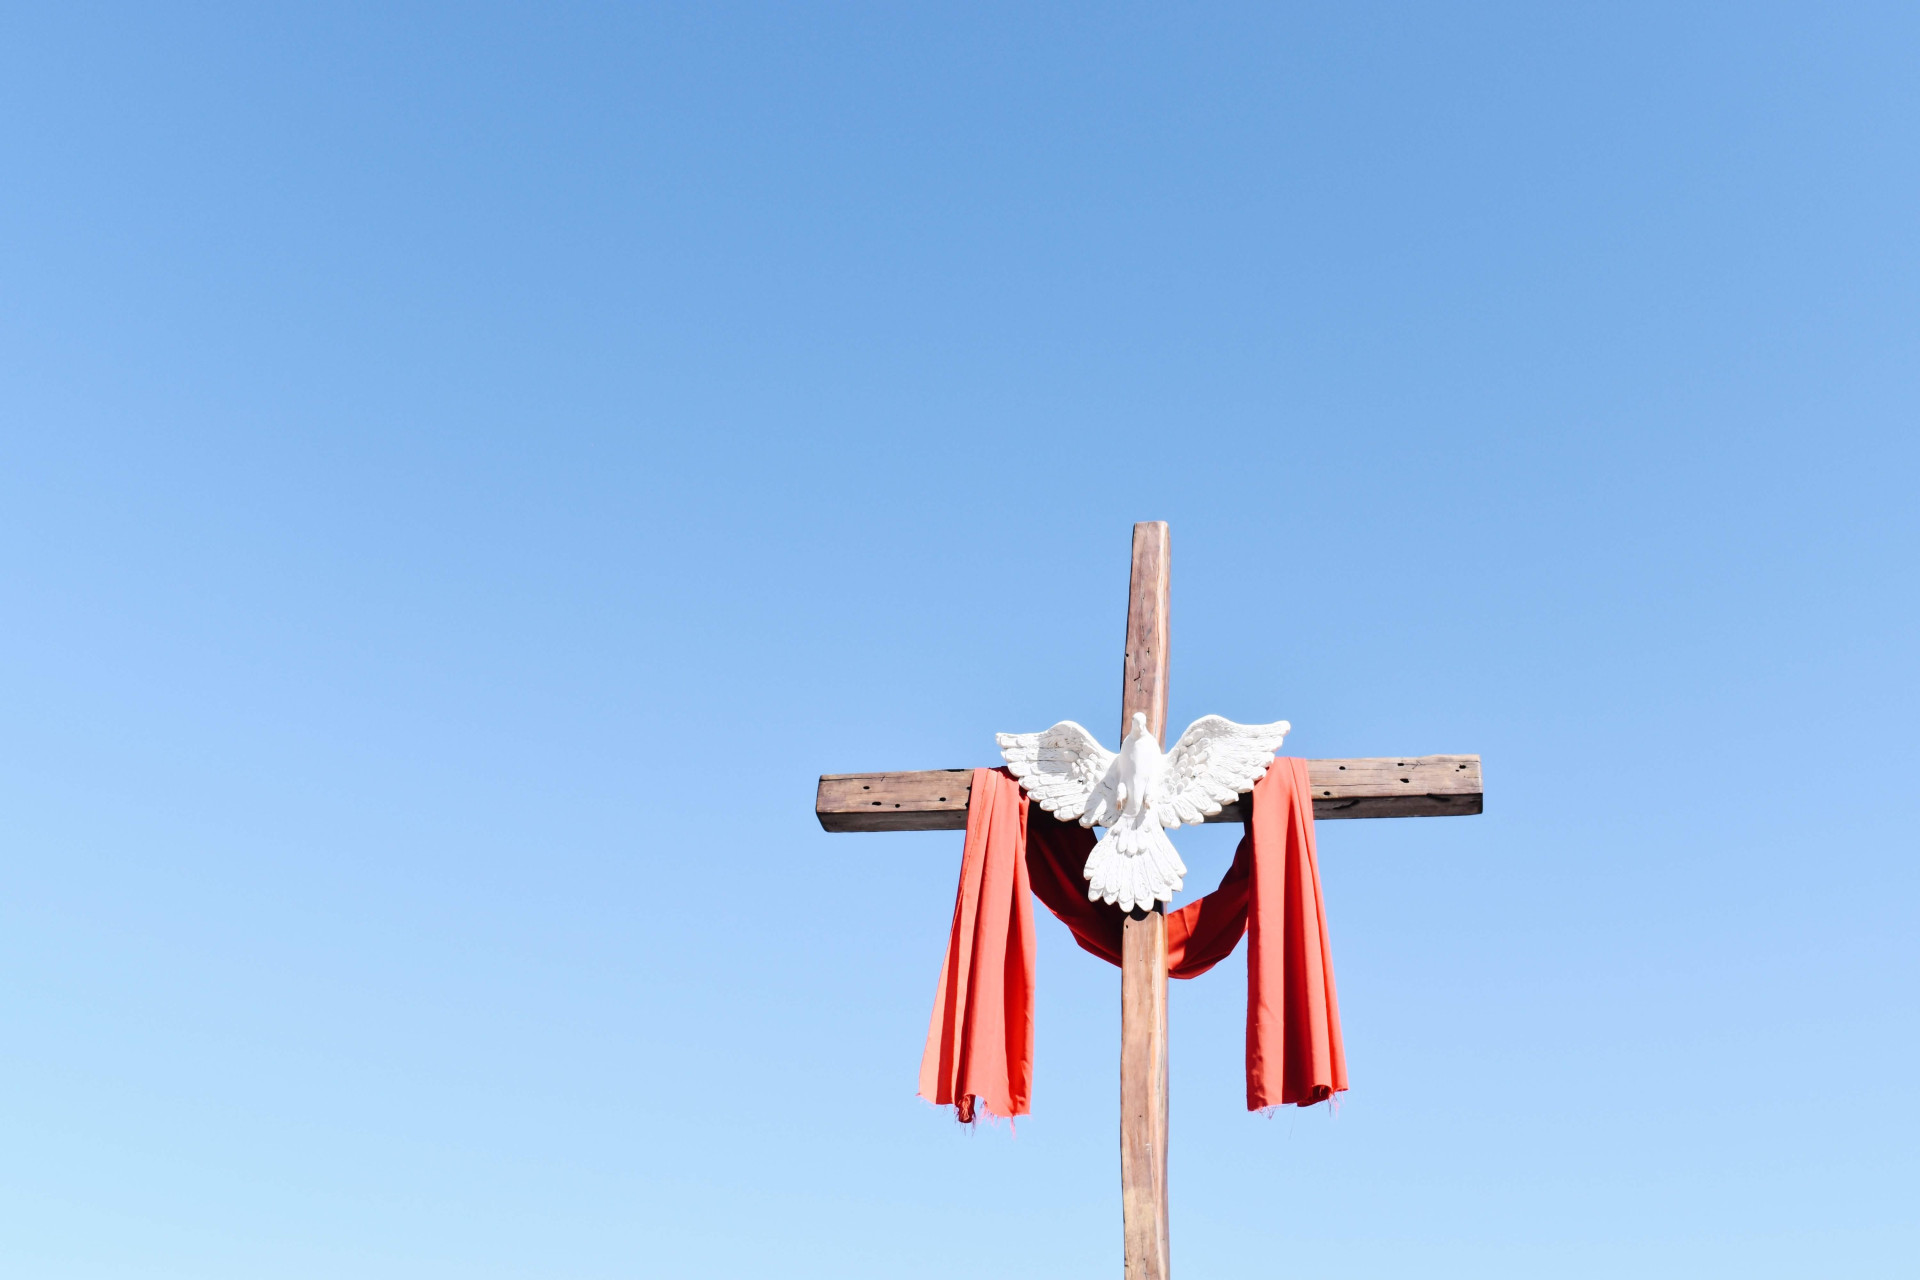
(1143, 938)
(1378, 787)
(1143, 1095)
(1145, 662)
(929, 800)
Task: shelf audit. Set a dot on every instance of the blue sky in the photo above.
(464, 471)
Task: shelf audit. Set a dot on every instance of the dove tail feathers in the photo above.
(1134, 865)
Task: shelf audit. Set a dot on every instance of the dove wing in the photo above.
(1065, 771)
(1214, 761)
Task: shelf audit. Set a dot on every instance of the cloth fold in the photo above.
(980, 1041)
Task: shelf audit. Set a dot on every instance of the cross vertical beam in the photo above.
(1143, 940)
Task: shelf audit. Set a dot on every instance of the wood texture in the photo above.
(1382, 787)
(1143, 941)
(929, 800)
(1144, 675)
(1143, 1095)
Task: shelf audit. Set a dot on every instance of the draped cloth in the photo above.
(980, 1041)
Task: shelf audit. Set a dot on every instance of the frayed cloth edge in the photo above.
(970, 1112)
(1332, 1101)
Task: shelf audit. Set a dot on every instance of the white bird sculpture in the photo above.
(1139, 793)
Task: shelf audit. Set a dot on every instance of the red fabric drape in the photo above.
(980, 1042)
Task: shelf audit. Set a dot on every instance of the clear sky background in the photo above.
(465, 470)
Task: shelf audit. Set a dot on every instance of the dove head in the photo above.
(1139, 723)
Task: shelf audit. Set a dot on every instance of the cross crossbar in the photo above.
(1376, 787)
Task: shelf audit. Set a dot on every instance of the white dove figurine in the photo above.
(1139, 793)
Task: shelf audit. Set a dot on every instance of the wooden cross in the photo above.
(936, 800)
